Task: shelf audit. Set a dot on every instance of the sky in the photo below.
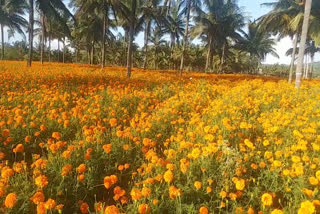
(253, 10)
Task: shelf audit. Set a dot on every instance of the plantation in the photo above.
(81, 139)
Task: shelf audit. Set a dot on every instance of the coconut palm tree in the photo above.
(304, 35)
(11, 16)
(50, 9)
(187, 6)
(258, 43)
(151, 11)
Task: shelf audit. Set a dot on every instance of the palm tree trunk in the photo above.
(208, 56)
(88, 55)
(2, 42)
(185, 37)
(31, 20)
(92, 53)
(146, 39)
(64, 50)
(49, 48)
(129, 54)
(103, 49)
(311, 67)
(304, 33)
(58, 50)
(222, 58)
(42, 38)
(293, 56)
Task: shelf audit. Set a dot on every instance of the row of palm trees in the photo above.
(218, 24)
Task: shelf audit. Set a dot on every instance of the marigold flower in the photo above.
(197, 185)
(84, 208)
(203, 210)
(110, 180)
(10, 200)
(174, 192)
(168, 176)
(41, 181)
(113, 122)
(37, 197)
(50, 204)
(81, 168)
(240, 184)
(277, 211)
(144, 209)
(41, 209)
(111, 210)
(135, 194)
(266, 199)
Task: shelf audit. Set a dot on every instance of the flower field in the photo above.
(78, 139)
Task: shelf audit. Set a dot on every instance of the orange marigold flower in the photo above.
(135, 194)
(144, 209)
(66, 169)
(84, 208)
(174, 192)
(81, 168)
(37, 197)
(19, 148)
(41, 209)
(203, 210)
(10, 200)
(41, 181)
(113, 122)
(56, 135)
(111, 210)
(110, 180)
(50, 204)
(118, 192)
(107, 148)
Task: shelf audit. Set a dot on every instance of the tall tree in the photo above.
(11, 16)
(50, 9)
(304, 34)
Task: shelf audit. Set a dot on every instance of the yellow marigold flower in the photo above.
(306, 207)
(144, 209)
(249, 144)
(111, 210)
(266, 199)
(313, 181)
(10, 200)
(318, 174)
(240, 184)
(168, 176)
(197, 185)
(277, 211)
(203, 210)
